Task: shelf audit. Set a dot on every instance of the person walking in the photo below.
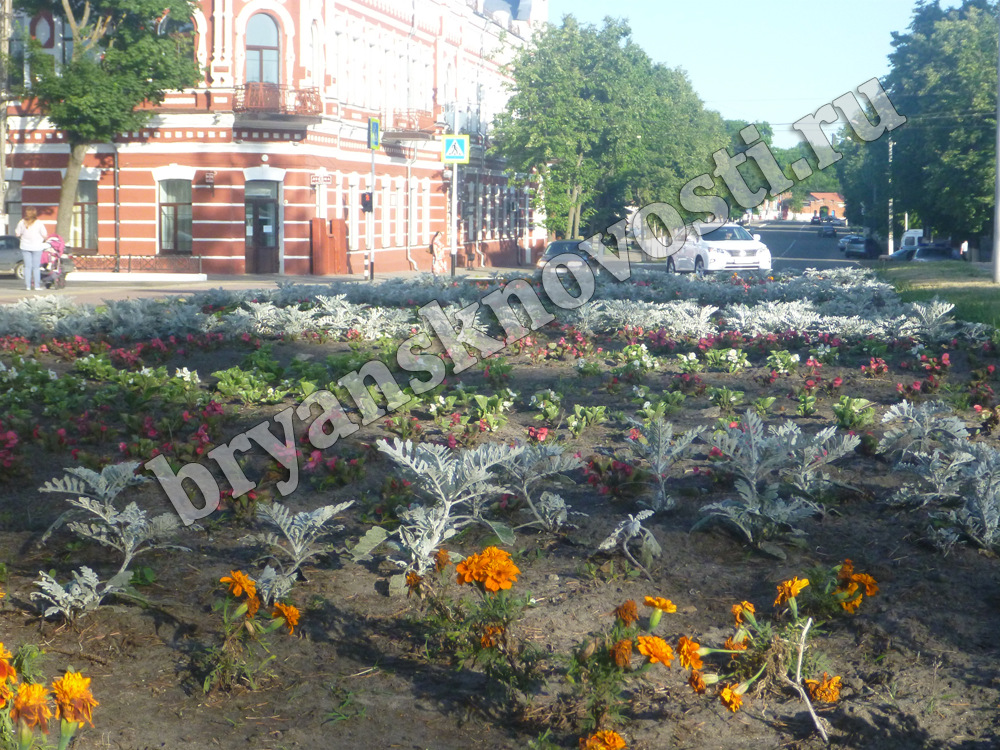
(32, 234)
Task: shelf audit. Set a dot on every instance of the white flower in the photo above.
(187, 375)
(52, 375)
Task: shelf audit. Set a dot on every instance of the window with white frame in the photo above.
(83, 228)
(262, 49)
(175, 226)
(12, 204)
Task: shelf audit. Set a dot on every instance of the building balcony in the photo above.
(276, 106)
(410, 125)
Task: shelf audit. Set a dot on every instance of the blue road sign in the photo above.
(455, 149)
(374, 133)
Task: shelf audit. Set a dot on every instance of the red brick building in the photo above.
(823, 205)
(261, 168)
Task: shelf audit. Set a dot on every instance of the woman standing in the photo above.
(32, 233)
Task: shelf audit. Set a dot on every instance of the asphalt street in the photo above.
(794, 246)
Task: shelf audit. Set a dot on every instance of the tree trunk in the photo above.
(67, 194)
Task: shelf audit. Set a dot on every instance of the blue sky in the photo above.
(773, 61)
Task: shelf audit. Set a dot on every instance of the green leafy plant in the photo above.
(584, 417)
(727, 400)
(854, 413)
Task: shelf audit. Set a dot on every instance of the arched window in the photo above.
(262, 49)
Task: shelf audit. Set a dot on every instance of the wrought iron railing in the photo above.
(275, 98)
(412, 119)
(148, 263)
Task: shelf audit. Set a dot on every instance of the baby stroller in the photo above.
(55, 262)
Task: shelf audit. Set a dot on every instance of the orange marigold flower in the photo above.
(657, 649)
(74, 701)
(870, 584)
(606, 740)
(622, 653)
(492, 569)
(240, 583)
(288, 613)
(846, 570)
(253, 605)
(627, 612)
(852, 597)
(697, 681)
(826, 690)
(491, 636)
(6, 693)
(789, 590)
(687, 652)
(731, 697)
(441, 559)
(658, 602)
(31, 706)
(741, 610)
(7, 671)
(413, 581)
(731, 645)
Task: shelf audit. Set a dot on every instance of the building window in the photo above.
(262, 49)
(175, 216)
(83, 230)
(12, 204)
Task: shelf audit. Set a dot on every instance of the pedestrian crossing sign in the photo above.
(455, 149)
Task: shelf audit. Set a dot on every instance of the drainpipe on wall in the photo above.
(409, 211)
(411, 159)
(118, 224)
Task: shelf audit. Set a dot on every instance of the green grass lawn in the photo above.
(967, 286)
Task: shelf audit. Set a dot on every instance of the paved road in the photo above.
(794, 246)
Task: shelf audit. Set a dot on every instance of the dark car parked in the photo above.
(828, 231)
(926, 253)
(568, 246)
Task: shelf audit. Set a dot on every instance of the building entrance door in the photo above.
(262, 227)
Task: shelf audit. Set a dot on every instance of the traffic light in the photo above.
(366, 201)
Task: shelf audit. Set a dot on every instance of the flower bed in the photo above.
(687, 443)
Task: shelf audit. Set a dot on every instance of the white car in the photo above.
(847, 239)
(726, 248)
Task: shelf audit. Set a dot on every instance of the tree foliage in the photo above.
(944, 80)
(120, 61)
(602, 125)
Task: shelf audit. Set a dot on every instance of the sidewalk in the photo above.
(93, 291)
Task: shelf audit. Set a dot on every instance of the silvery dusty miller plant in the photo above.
(130, 531)
(655, 442)
(450, 480)
(297, 543)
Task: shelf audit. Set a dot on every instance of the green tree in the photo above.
(602, 125)
(120, 61)
(944, 80)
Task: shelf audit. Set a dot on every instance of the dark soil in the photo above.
(918, 661)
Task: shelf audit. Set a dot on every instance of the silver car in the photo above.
(10, 255)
